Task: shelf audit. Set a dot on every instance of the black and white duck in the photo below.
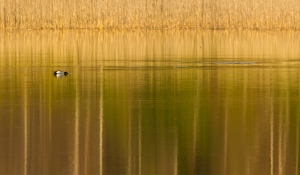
(60, 73)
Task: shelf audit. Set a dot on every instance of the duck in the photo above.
(60, 73)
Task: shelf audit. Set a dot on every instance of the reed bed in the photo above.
(150, 14)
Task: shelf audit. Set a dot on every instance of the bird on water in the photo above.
(60, 73)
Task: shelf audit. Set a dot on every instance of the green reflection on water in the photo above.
(149, 103)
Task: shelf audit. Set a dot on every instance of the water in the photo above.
(210, 102)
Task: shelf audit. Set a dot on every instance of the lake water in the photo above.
(206, 102)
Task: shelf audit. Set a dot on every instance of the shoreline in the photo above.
(146, 30)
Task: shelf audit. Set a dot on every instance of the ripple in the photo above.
(234, 62)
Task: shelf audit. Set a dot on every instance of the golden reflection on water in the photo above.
(25, 130)
(101, 122)
(149, 102)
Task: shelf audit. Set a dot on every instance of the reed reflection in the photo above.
(159, 105)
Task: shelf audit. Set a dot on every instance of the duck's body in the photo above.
(60, 73)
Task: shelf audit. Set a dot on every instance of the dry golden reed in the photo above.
(150, 14)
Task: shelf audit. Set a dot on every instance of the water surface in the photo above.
(209, 102)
